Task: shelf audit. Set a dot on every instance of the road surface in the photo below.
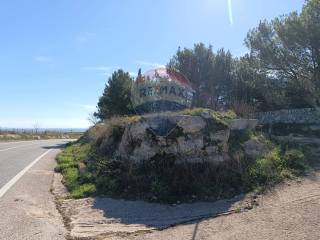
(26, 205)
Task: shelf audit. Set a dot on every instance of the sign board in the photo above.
(161, 90)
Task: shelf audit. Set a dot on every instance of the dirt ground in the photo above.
(289, 211)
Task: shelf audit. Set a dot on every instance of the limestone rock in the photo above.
(186, 138)
(189, 140)
(254, 148)
(191, 124)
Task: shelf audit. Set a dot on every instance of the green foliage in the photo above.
(71, 176)
(265, 171)
(287, 50)
(274, 168)
(295, 160)
(209, 73)
(79, 184)
(83, 190)
(116, 98)
(284, 58)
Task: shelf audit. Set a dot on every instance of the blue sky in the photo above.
(56, 56)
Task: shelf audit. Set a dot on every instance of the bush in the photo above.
(265, 171)
(296, 161)
(275, 167)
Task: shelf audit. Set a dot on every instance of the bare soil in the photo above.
(290, 211)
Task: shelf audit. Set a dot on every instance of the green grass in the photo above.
(83, 190)
(79, 184)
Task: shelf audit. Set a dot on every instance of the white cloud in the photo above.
(42, 59)
(150, 64)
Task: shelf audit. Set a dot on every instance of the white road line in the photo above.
(6, 149)
(16, 178)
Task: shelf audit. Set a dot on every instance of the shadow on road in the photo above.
(55, 146)
(195, 231)
(160, 216)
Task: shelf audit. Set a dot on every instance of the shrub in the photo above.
(296, 161)
(265, 171)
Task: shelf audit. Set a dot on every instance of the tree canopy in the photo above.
(116, 98)
(281, 70)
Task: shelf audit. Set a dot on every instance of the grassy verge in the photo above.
(78, 181)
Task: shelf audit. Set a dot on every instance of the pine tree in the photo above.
(116, 98)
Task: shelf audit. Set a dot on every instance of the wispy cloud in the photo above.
(230, 12)
(105, 70)
(150, 64)
(42, 59)
(87, 106)
(99, 68)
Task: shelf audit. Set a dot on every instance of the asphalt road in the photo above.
(26, 205)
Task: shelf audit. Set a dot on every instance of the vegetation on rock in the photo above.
(92, 166)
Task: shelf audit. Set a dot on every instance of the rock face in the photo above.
(184, 138)
(254, 148)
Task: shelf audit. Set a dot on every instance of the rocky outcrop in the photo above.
(186, 138)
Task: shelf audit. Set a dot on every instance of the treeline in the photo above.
(281, 70)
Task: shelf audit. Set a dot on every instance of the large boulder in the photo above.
(186, 138)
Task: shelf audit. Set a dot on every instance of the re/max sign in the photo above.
(163, 90)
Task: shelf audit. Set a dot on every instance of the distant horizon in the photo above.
(44, 129)
(56, 56)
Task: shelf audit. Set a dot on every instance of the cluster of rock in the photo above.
(190, 140)
(184, 138)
